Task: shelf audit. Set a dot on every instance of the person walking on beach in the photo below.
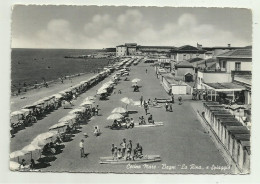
(113, 150)
(81, 146)
(146, 108)
(172, 98)
(166, 106)
(180, 100)
(97, 109)
(123, 145)
(141, 100)
(145, 70)
(170, 107)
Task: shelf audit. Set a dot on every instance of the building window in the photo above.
(224, 64)
(237, 66)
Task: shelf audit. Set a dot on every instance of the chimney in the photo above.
(199, 46)
(229, 45)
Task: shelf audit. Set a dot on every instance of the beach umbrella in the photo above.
(38, 102)
(87, 102)
(14, 166)
(126, 100)
(90, 98)
(57, 96)
(101, 91)
(136, 80)
(15, 113)
(30, 148)
(46, 135)
(114, 116)
(17, 154)
(68, 117)
(59, 125)
(119, 110)
(25, 110)
(39, 142)
(77, 110)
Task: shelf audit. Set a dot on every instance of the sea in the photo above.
(36, 65)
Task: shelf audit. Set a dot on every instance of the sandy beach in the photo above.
(182, 142)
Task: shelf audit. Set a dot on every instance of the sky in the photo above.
(97, 27)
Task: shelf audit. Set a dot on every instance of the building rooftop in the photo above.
(188, 48)
(166, 47)
(192, 60)
(247, 79)
(238, 53)
(184, 64)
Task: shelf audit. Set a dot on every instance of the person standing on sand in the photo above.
(81, 146)
(146, 108)
(141, 100)
(146, 70)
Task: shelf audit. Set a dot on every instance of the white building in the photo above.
(121, 50)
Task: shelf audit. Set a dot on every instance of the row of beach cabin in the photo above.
(234, 136)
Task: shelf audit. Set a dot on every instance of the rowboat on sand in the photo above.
(144, 159)
(150, 125)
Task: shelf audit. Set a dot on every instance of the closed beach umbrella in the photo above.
(114, 116)
(14, 166)
(119, 110)
(136, 80)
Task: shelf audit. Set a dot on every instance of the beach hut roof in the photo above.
(239, 130)
(231, 123)
(221, 112)
(241, 137)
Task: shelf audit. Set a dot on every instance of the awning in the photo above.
(224, 87)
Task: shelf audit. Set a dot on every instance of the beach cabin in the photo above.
(246, 152)
(216, 116)
(212, 109)
(235, 137)
(238, 136)
(226, 128)
(221, 119)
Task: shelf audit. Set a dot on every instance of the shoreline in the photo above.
(31, 96)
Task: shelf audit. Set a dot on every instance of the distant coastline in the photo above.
(33, 66)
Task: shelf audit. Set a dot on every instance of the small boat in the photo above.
(144, 159)
(150, 124)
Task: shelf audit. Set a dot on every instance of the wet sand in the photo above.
(181, 142)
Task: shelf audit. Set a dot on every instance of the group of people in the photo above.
(199, 95)
(143, 122)
(125, 122)
(95, 110)
(24, 166)
(126, 151)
